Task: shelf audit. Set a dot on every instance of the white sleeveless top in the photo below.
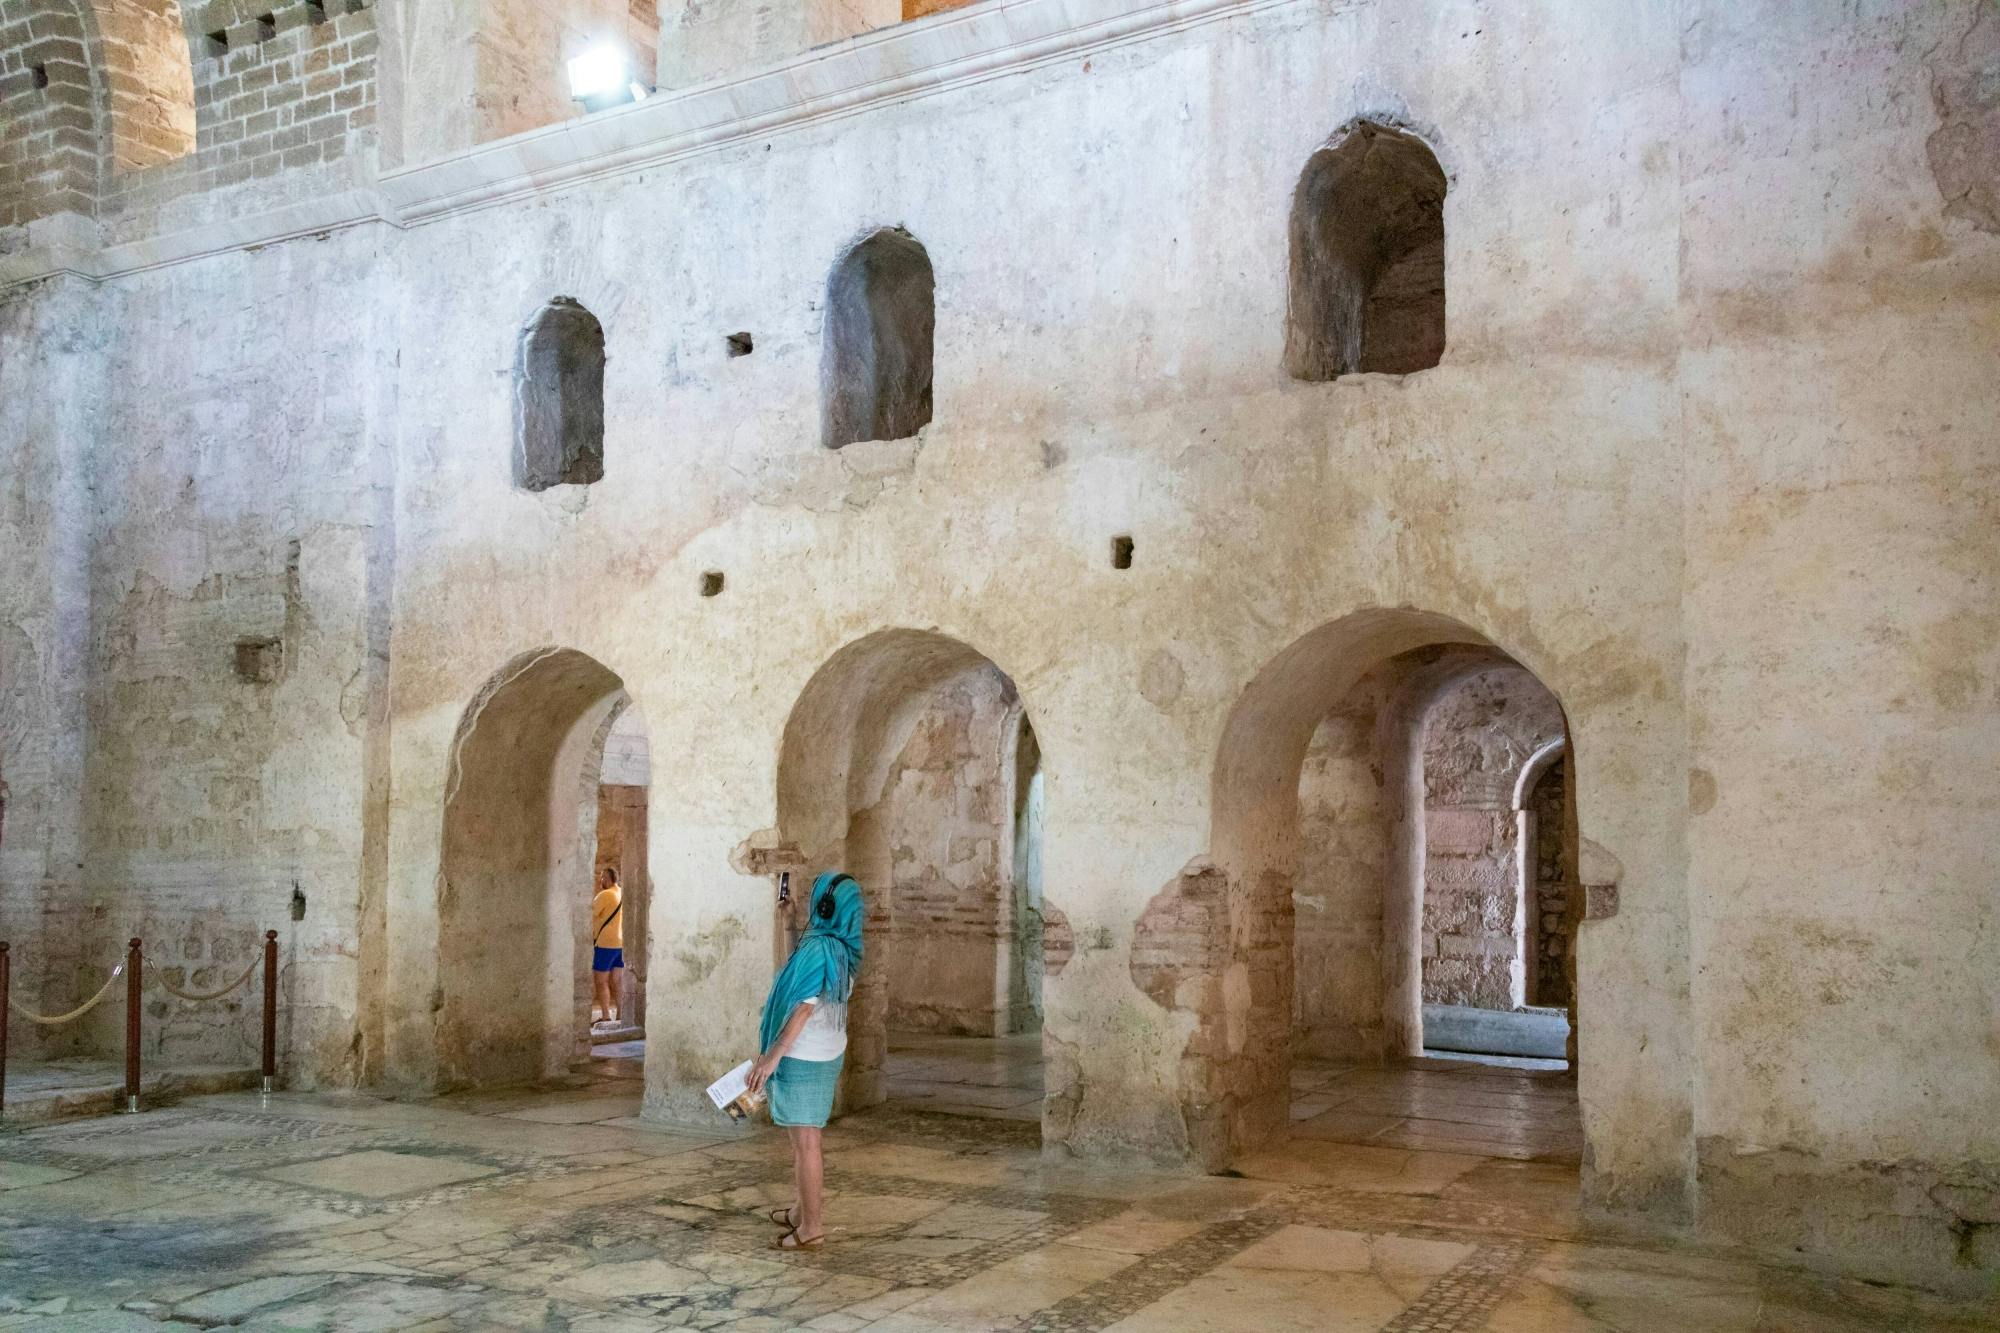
(824, 1037)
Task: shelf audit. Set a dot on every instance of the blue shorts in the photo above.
(604, 960)
(802, 1091)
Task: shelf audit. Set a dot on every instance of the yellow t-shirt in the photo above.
(601, 907)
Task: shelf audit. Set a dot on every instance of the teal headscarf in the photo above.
(827, 956)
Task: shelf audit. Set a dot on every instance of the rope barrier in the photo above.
(51, 1020)
(178, 993)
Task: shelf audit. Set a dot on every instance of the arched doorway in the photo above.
(520, 847)
(624, 780)
(910, 762)
(1366, 830)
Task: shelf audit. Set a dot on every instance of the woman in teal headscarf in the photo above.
(804, 1040)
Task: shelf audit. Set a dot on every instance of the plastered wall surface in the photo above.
(1712, 320)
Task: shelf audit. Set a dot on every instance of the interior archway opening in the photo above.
(910, 763)
(1370, 829)
(620, 891)
(521, 845)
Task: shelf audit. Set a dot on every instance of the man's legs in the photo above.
(600, 984)
(614, 992)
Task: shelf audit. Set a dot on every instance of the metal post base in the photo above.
(267, 1089)
(131, 1106)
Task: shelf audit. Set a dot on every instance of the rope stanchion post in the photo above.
(270, 1010)
(133, 961)
(6, 977)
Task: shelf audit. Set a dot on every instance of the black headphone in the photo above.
(825, 909)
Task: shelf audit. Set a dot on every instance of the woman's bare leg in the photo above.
(809, 1168)
(792, 1211)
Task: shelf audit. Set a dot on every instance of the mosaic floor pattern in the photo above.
(558, 1209)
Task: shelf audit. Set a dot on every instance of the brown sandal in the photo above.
(783, 1217)
(797, 1244)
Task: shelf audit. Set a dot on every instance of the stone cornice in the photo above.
(990, 40)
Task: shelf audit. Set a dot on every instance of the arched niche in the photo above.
(1367, 257)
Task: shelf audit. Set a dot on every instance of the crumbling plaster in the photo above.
(1714, 423)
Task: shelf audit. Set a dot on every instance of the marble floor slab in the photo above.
(556, 1208)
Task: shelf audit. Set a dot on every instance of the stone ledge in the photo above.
(953, 49)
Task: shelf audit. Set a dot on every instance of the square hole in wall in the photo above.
(741, 344)
(711, 583)
(40, 75)
(315, 12)
(260, 661)
(267, 27)
(217, 42)
(1121, 552)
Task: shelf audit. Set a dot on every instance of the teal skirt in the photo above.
(802, 1091)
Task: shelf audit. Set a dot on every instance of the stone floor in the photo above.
(557, 1208)
(997, 1079)
(43, 1090)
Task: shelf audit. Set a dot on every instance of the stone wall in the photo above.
(1477, 741)
(297, 93)
(916, 9)
(49, 110)
(1733, 341)
(1549, 926)
(1346, 869)
(951, 931)
(215, 789)
(702, 40)
(51, 398)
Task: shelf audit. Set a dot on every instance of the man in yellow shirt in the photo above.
(607, 945)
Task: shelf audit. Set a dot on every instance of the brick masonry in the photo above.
(267, 100)
(104, 123)
(48, 106)
(1477, 741)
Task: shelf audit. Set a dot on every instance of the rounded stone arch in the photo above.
(1416, 657)
(841, 739)
(517, 855)
(1539, 763)
(1532, 986)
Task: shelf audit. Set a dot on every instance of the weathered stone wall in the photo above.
(1547, 980)
(1840, 470)
(700, 40)
(916, 9)
(212, 791)
(1733, 341)
(951, 930)
(1346, 869)
(1477, 741)
(51, 395)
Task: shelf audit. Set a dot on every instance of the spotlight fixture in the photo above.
(602, 77)
(601, 71)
